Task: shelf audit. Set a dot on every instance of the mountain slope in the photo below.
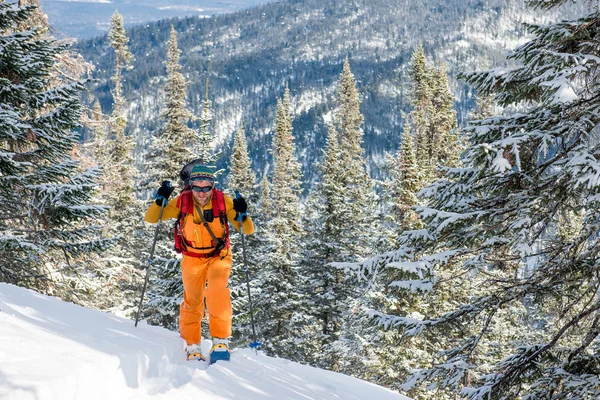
(50, 349)
(250, 56)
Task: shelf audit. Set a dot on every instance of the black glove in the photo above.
(163, 192)
(240, 205)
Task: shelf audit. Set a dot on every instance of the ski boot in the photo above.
(219, 351)
(194, 353)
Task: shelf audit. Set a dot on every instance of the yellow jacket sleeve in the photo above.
(247, 224)
(170, 211)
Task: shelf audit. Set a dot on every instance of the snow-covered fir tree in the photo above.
(169, 151)
(443, 124)
(206, 151)
(98, 124)
(123, 58)
(170, 147)
(420, 100)
(358, 206)
(432, 117)
(400, 189)
(47, 229)
(279, 299)
(241, 176)
(265, 195)
(358, 195)
(496, 219)
(326, 291)
(119, 181)
(243, 179)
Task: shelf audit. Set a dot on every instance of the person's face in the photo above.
(202, 191)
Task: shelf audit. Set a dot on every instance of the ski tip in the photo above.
(219, 356)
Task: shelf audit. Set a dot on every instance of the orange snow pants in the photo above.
(196, 273)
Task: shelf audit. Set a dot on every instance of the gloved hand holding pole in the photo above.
(241, 215)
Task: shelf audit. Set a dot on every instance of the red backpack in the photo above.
(185, 204)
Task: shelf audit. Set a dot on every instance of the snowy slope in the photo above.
(50, 349)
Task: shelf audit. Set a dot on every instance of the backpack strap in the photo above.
(219, 209)
(185, 203)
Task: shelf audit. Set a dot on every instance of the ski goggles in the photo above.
(204, 189)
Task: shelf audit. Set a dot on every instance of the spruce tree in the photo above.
(357, 187)
(279, 299)
(326, 289)
(341, 228)
(420, 100)
(265, 196)
(432, 117)
(205, 137)
(123, 58)
(98, 124)
(400, 190)
(495, 220)
(241, 176)
(443, 124)
(170, 147)
(169, 151)
(243, 179)
(47, 227)
(118, 181)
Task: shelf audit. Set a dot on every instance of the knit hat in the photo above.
(202, 173)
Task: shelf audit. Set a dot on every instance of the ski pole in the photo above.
(150, 259)
(255, 345)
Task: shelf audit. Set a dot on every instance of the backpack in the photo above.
(185, 204)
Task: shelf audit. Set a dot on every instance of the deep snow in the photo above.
(51, 349)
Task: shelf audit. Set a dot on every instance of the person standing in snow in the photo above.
(201, 235)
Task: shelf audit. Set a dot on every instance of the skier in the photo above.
(201, 235)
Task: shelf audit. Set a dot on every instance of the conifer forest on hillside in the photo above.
(423, 176)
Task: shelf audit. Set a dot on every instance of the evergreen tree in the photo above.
(341, 228)
(265, 196)
(118, 179)
(484, 107)
(123, 58)
(170, 148)
(205, 137)
(326, 291)
(496, 219)
(443, 124)
(400, 191)
(358, 202)
(169, 152)
(420, 100)
(432, 116)
(46, 226)
(98, 123)
(242, 178)
(279, 301)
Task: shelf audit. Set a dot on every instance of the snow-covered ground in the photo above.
(50, 349)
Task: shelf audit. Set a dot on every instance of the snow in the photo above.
(51, 349)
(500, 164)
(182, 8)
(565, 94)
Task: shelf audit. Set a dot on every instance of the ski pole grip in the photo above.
(241, 215)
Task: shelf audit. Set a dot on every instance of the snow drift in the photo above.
(51, 349)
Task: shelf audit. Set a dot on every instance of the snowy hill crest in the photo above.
(50, 349)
